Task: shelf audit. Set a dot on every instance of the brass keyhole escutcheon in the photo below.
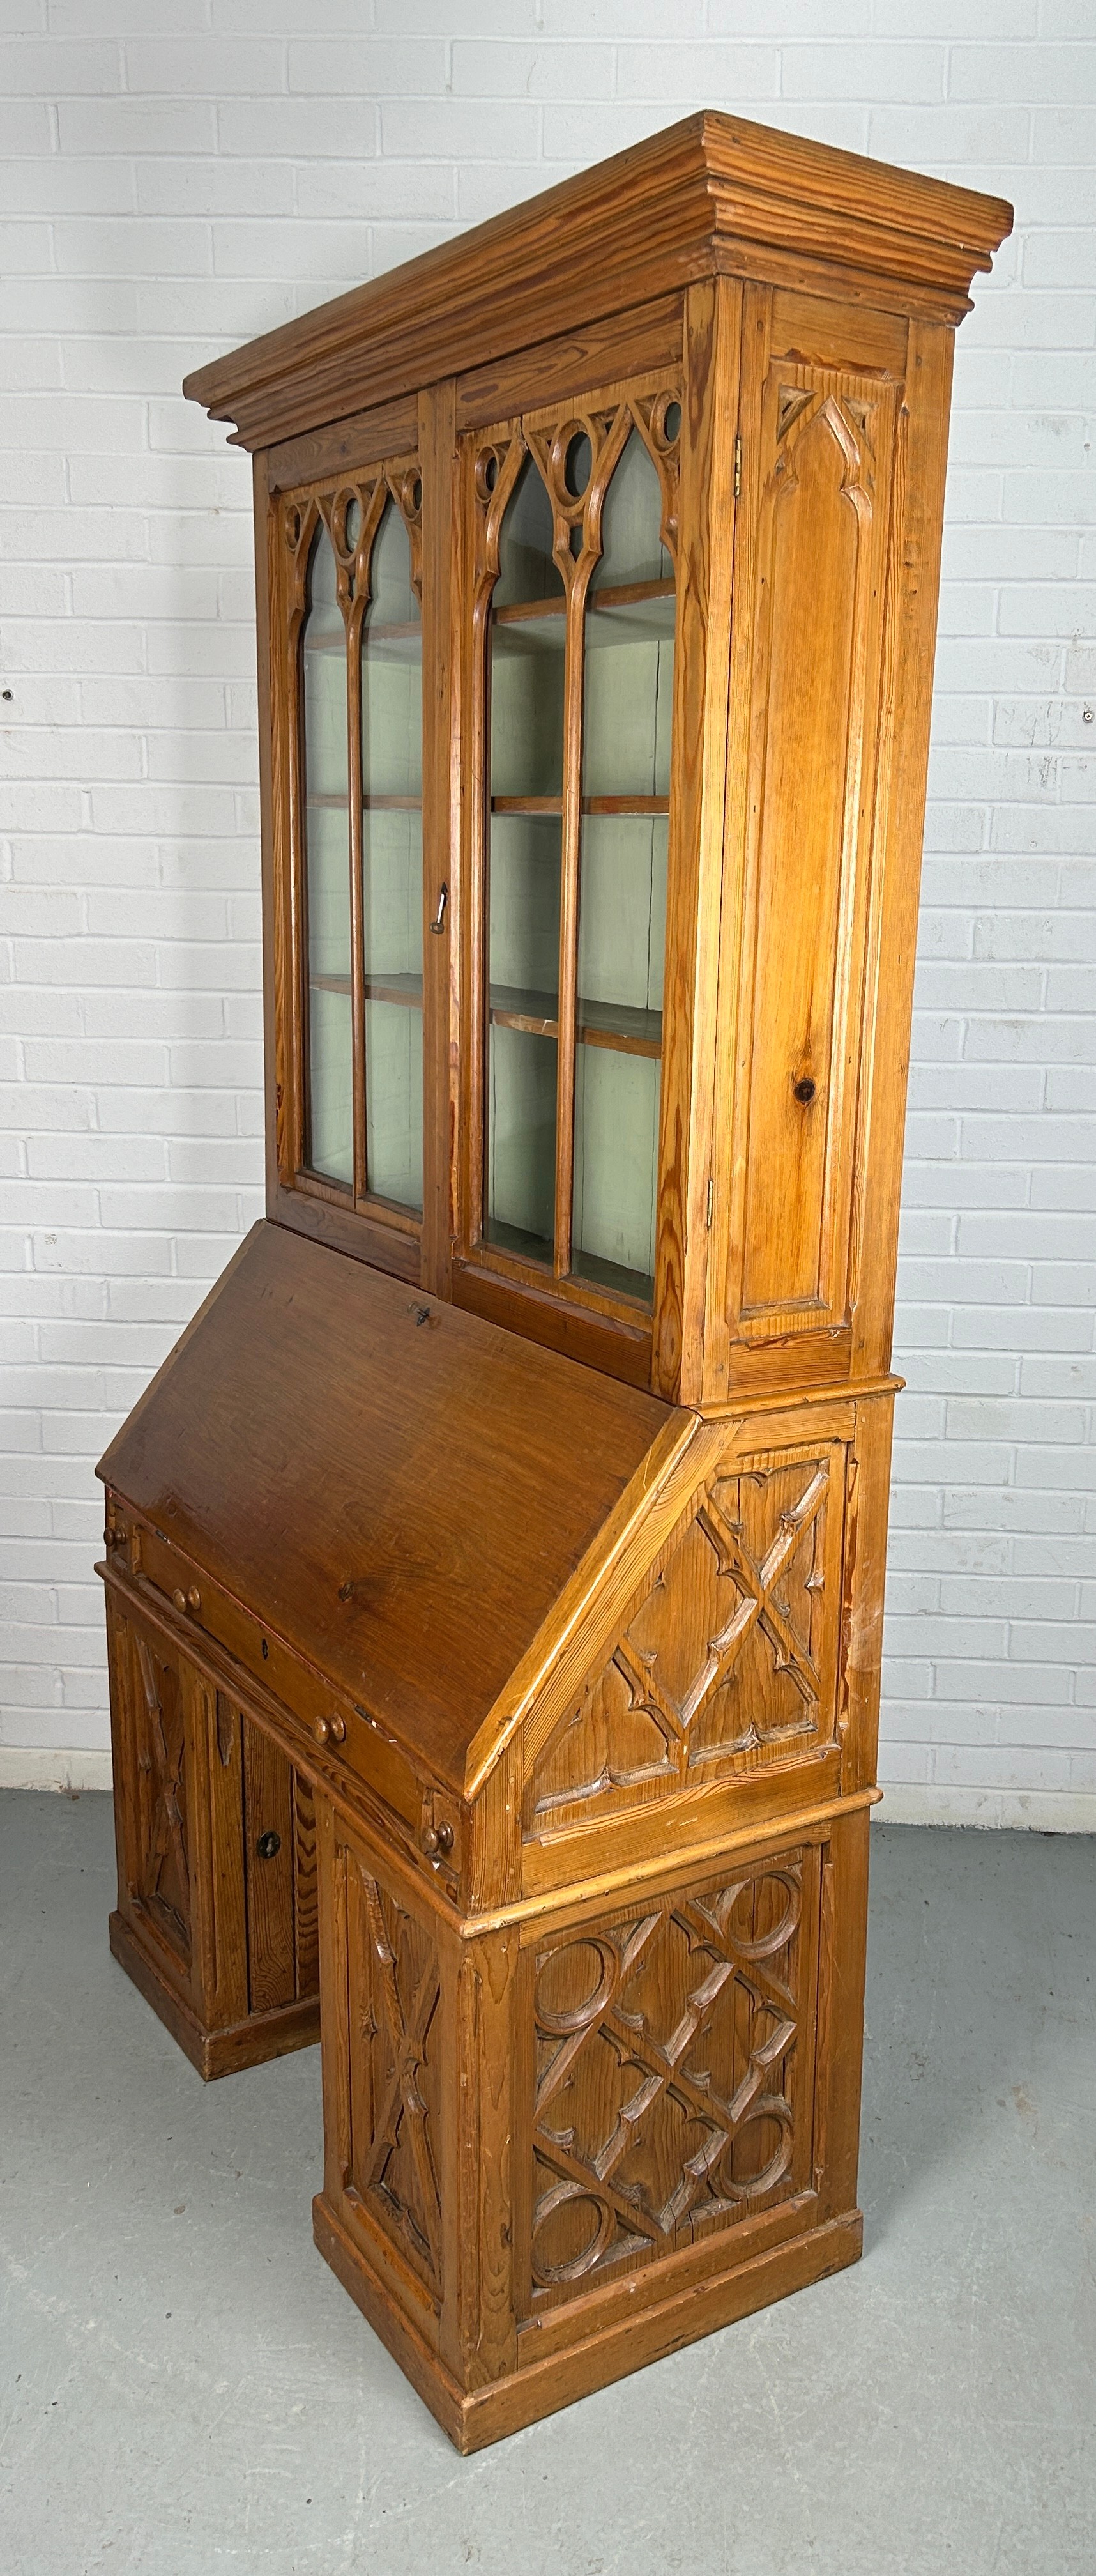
(268, 1844)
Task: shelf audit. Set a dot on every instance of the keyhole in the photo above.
(268, 1845)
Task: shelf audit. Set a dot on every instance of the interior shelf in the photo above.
(624, 805)
(370, 804)
(406, 989)
(605, 1024)
(628, 594)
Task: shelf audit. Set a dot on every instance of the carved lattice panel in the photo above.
(394, 1993)
(163, 1873)
(671, 2089)
(727, 1656)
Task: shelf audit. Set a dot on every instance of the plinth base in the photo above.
(475, 2418)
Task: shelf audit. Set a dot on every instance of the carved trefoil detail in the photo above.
(728, 1655)
(665, 2094)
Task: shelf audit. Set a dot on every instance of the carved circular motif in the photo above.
(770, 2109)
(487, 473)
(571, 463)
(569, 2195)
(765, 1943)
(411, 493)
(293, 527)
(665, 422)
(346, 524)
(556, 2011)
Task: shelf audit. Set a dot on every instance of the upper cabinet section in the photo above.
(597, 557)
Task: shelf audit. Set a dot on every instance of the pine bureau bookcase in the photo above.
(494, 1570)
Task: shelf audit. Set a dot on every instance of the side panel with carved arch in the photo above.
(819, 467)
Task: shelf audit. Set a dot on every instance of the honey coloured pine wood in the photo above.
(404, 1515)
(495, 1570)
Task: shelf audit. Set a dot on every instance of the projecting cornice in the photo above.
(712, 195)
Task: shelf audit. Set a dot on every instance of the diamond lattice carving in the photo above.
(723, 1655)
(665, 2048)
(161, 1761)
(394, 1996)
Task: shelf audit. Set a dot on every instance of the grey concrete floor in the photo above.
(187, 2391)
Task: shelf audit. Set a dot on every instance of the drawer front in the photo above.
(324, 1732)
(327, 1721)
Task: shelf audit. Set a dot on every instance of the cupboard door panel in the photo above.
(819, 450)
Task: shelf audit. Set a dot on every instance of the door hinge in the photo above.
(711, 1204)
(737, 468)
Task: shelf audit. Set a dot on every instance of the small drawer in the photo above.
(326, 1723)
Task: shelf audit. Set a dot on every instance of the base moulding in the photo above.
(472, 2420)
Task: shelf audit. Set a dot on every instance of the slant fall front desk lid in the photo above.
(398, 1491)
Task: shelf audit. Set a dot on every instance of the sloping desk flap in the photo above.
(397, 1490)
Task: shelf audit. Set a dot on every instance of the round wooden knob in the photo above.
(330, 1730)
(194, 1600)
(178, 1600)
(437, 1841)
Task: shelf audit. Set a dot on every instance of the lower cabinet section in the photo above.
(217, 1910)
(561, 2146)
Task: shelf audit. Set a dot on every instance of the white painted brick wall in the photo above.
(180, 174)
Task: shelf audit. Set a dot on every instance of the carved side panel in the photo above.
(818, 471)
(726, 1657)
(394, 1994)
(159, 1864)
(673, 2073)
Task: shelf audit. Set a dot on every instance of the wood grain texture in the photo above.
(208, 1939)
(516, 1458)
(440, 812)
(712, 187)
(698, 787)
(531, 1716)
(819, 470)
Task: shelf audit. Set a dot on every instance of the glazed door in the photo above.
(359, 824)
(571, 513)
(814, 602)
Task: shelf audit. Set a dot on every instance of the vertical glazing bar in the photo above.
(357, 930)
(568, 919)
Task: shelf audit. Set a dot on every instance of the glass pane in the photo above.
(392, 869)
(527, 569)
(526, 769)
(616, 1159)
(631, 546)
(329, 1139)
(622, 886)
(521, 1141)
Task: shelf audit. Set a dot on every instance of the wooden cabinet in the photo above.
(516, 1506)
(217, 1899)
